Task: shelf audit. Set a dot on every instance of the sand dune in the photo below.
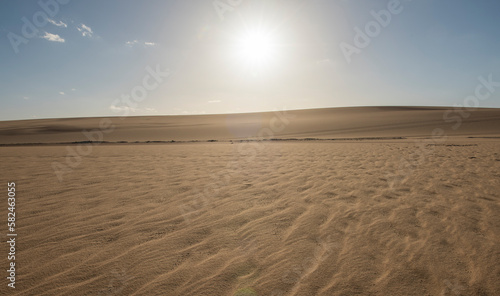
(317, 123)
(412, 216)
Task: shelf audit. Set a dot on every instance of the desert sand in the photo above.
(347, 201)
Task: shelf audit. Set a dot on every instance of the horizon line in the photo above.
(253, 112)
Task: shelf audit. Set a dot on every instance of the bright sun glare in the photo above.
(256, 48)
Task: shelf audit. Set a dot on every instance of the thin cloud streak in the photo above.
(53, 37)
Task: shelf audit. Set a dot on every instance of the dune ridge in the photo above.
(354, 122)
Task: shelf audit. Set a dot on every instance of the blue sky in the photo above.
(249, 56)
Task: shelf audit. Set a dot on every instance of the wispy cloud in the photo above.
(85, 30)
(61, 93)
(115, 108)
(59, 24)
(52, 37)
(26, 98)
(137, 42)
(131, 43)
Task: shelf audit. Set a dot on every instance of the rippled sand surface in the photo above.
(391, 217)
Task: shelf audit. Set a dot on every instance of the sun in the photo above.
(256, 48)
